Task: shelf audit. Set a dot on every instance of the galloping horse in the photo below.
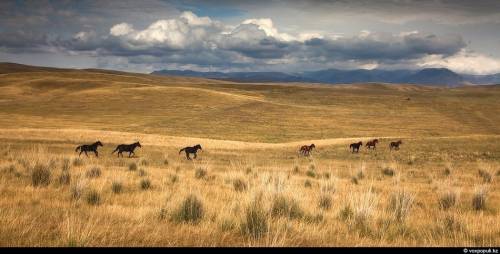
(88, 148)
(306, 150)
(126, 148)
(191, 149)
(395, 145)
(355, 146)
(372, 143)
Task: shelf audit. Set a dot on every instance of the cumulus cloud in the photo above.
(464, 62)
(258, 44)
(121, 29)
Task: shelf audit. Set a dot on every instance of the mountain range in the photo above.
(428, 76)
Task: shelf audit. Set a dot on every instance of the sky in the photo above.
(220, 35)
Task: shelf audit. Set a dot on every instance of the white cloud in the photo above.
(267, 26)
(121, 29)
(464, 62)
(194, 20)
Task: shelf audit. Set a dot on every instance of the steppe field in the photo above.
(248, 186)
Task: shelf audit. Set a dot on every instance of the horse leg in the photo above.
(86, 154)
(195, 156)
(80, 153)
(96, 154)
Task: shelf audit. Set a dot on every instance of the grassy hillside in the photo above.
(178, 106)
(249, 186)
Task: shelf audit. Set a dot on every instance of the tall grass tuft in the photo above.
(255, 222)
(40, 175)
(479, 198)
(116, 187)
(94, 172)
(132, 166)
(93, 197)
(286, 207)
(145, 184)
(65, 178)
(191, 210)
(447, 199)
(486, 175)
(400, 205)
(239, 185)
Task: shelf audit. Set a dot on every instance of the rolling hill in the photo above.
(256, 112)
(428, 76)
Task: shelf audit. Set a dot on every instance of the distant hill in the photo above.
(238, 76)
(428, 76)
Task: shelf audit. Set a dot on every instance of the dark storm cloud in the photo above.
(384, 47)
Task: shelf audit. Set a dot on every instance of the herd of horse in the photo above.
(130, 149)
(304, 150)
(354, 147)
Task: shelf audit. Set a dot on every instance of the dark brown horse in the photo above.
(356, 146)
(371, 144)
(395, 145)
(306, 150)
(126, 148)
(89, 148)
(191, 150)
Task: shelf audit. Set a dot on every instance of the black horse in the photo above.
(355, 146)
(395, 145)
(89, 148)
(191, 149)
(126, 148)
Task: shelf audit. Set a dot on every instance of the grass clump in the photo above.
(286, 207)
(132, 166)
(388, 171)
(200, 173)
(311, 173)
(94, 172)
(145, 184)
(191, 210)
(239, 185)
(64, 178)
(447, 200)
(400, 205)
(487, 176)
(116, 187)
(40, 175)
(93, 197)
(479, 199)
(255, 222)
(307, 184)
(77, 162)
(325, 202)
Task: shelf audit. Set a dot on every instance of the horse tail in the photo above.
(115, 150)
(78, 148)
(180, 151)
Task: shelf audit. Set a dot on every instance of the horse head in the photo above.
(138, 144)
(98, 143)
(312, 146)
(198, 146)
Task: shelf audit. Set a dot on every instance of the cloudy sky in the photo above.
(289, 36)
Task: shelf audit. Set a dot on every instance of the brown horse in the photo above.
(306, 150)
(395, 145)
(356, 146)
(372, 143)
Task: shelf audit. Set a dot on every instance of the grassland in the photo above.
(248, 186)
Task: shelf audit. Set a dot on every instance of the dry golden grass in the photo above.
(254, 190)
